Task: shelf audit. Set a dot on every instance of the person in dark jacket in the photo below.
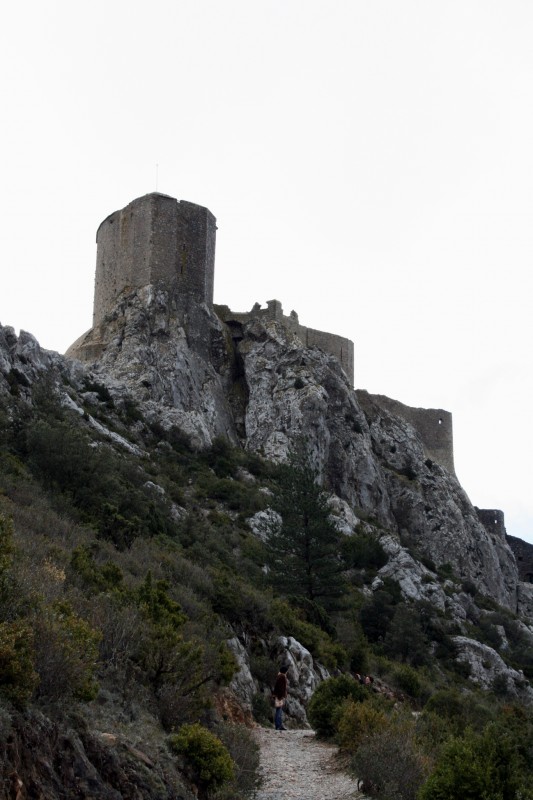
(280, 695)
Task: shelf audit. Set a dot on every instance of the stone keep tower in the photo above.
(158, 240)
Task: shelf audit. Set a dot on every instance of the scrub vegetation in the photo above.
(125, 572)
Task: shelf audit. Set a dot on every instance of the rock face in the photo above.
(487, 669)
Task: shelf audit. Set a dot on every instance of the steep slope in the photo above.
(271, 390)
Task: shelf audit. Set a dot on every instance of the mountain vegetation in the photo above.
(150, 589)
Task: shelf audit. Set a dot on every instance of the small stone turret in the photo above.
(155, 240)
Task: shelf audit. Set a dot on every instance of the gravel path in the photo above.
(296, 766)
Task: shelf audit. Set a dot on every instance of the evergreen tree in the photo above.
(303, 547)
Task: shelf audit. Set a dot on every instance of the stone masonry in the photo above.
(155, 240)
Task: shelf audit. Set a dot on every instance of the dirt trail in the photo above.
(296, 766)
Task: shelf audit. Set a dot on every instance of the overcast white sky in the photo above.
(369, 162)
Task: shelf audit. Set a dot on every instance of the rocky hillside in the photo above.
(264, 389)
(160, 389)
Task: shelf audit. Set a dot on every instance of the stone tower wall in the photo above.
(155, 240)
(433, 425)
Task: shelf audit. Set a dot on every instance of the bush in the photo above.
(206, 758)
(405, 639)
(244, 752)
(332, 654)
(406, 679)
(363, 552)
(356, 721)
(66, 653)
(461, 710)
(393, 760)
(329, 696)
(18, 678)
(376, 614)
(261, 709)
(478, 766)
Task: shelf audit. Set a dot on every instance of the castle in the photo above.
(158, 241)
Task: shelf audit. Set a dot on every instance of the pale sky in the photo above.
(369, 162)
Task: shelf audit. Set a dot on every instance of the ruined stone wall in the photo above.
(434, 427)
(493, 520)
(155, 240)
(337, 346)
(523, 552)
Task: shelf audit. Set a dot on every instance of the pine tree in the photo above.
(304, 546)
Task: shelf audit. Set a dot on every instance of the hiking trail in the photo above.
(295, 765)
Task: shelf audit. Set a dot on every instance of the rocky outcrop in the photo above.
(374, 461)
(63, 758)
(174, 357)
(267, 390)
(303, 676)
(489, 670)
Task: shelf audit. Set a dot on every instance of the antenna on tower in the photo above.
(156, 175)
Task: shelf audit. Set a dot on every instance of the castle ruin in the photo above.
(158, 241)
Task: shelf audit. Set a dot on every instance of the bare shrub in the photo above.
(393, 761)
(176, 708)
(66, 652)
(245, 753)
(121, 628)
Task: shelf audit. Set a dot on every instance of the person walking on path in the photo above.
(280, 695)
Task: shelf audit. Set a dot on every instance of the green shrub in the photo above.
(405, 639)
(363, 551)
(328, 697)
(18, 678)
(98, 578)
(289, 621)
(6, 555)
(478, 766)
(460, 709)
(407, 679)
(261, 709)
(376, 614)
(66, 653)
(238, 602)
(207, 759)
(356, 721)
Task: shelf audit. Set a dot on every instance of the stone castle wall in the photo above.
(434, 425)
(337, 346)
(493, 520)
(523, 552)
(155, 240)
